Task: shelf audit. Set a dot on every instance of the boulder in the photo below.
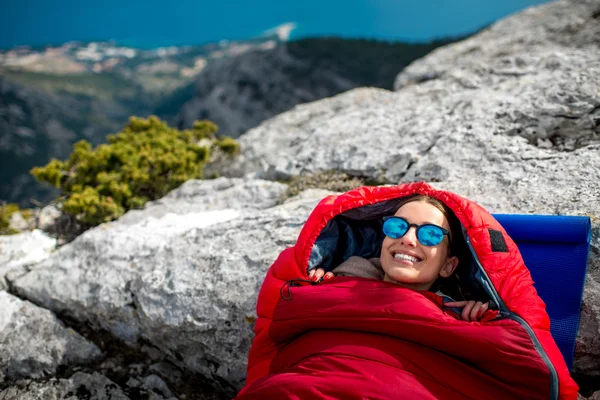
(79, 386)
(509, 118)
(18, 222)
(183, 279)
(47, 217)
(216, 194)
(35, 344)
(594, 396)
(19, 251)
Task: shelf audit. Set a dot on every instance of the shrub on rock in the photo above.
(143, 162)
(229, 145)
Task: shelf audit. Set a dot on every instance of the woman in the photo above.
(350, 337)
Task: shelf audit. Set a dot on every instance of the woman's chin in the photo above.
(399, 279)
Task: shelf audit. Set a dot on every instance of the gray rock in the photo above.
(587, 350)
(509, 118)
(18, 222)
(594, 396)
(34, 343)
(155, 384)
(186, 283)
(217, 194)
(79, 386)
(47, 216)
(514, 48)
(152, 386)
(17, 252)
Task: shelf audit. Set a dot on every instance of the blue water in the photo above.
(156, 23)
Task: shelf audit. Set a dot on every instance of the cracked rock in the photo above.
(35, 344)
(79, 386)
(17, 252)
(186, 283)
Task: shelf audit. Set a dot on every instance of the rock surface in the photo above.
(217, 194)
(184, 283)
(18, 223)
(79, 386)
(47, 217)
(594, 396)
(35, 344)
(19, 251)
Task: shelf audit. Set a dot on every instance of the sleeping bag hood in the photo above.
(357, 338)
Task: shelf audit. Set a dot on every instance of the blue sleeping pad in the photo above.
(555, 249)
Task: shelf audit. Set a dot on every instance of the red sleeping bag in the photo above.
(358, 338)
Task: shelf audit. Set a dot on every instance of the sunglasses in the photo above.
(427, 234)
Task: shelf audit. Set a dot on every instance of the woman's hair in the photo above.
(450, 286)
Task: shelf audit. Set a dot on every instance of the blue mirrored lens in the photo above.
(430, 235)
(395, 228)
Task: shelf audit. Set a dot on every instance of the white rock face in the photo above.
(217, 194)
(18, 222)
(34, 343)
(22, 250)
(47, 216)
(187, 283)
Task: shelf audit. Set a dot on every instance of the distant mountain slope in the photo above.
(42, 115)
(33, 125)
(239, 93)
(52, 97)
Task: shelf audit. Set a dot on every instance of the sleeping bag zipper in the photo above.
(505, 312)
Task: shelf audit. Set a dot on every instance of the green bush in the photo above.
(229, 145)
(143, 162)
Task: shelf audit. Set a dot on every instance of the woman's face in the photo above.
(408, 262)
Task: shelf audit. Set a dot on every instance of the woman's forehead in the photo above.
(420, 212)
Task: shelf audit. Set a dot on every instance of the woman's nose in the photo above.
(410, 237)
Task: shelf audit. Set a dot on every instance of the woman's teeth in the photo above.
(406, 257)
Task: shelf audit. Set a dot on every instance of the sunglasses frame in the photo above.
(445, 232)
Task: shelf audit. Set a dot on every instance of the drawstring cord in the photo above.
(293, 282)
